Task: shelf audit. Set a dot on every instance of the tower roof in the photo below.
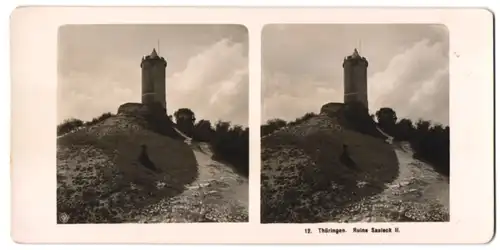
(355, 56)
(153, 53)
(153, 56)
(355, 53)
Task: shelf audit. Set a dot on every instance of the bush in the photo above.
(271, 126)
(99, 119)
(231, 144)
(203, 131)
(68, 125)
(71, 124)
(304, 118)
(432, 144)
(276, 124)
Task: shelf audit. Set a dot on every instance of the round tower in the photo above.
(153, 79)
(355, 78)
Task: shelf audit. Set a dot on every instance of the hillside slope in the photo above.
(101, 180)
(303, 179)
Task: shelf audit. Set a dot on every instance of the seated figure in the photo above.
(346, 159)
(145, 161)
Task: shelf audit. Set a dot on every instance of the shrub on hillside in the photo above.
(203, 131)
(432, 144)
(99, 119)
(71, 124)
(231, 144)
(276, 124)
(68, 125)
(271, 126)
(304, 118)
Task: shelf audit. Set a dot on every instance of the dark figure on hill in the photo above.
(145, 161)
(346, 159)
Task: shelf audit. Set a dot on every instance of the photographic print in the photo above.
(355, 123)
(152, 123)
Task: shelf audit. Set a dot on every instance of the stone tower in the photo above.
(153, 79)
(355, 78)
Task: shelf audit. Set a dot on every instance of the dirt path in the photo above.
(212, 171)
(418, 194)
(218, 195)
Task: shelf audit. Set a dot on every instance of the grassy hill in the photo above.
(303, 179)
(99, 179)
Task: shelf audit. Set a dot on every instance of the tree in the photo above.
(423, 126)
(203, 130)
(184, 115)
(203, 125)
(222, 127)
(404, 129)
(185, 119)
(387, 118)
(278, 123)
(238, 129)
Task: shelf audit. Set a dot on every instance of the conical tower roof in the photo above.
(355, 53)
(153, 53)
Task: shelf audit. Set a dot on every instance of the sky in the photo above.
(207, 71)
(408, 68)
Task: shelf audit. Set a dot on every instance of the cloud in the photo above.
(290, 97)
(214, 84)
(86, 96)
(415, 84)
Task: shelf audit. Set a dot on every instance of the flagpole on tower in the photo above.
(158, 46)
